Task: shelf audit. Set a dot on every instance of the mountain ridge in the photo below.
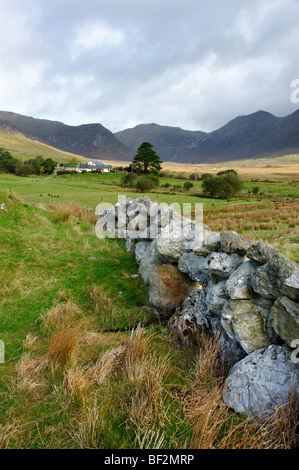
(256, 135)
(259, 134)
(90, 140)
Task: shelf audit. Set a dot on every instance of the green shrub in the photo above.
(144, 184)
(188, 185)
(206, 176)
(222, 186)
(129, 179)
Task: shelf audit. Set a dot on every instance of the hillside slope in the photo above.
(24, 148)
(89, 140)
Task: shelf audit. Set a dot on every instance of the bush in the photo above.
(222, 186)
(206, 176)
(129, 179)
(188, 185)
(227, 172)
(145, 184)
(155, 179)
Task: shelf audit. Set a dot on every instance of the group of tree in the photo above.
(225, 184)
(34, 166)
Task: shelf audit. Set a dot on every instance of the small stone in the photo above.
(285, 319)
(261, 252)
(209, 245)
(193, 265)
(190, 317)
(269, 280)
(216, 298)
(238, 284)
(223, 264)
(140, 250)
(232, 242)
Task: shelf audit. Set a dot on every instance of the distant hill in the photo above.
(88, 140)
(170, 143)
(256, 135)
(260, 134)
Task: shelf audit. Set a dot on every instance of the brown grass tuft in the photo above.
(61, 315)
(62, 345)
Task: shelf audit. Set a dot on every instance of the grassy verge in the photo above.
(87, 364)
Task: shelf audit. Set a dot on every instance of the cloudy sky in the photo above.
(195, 64)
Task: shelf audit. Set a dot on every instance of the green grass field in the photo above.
(79, 371)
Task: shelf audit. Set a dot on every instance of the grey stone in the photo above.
(292, 284)
(190, 317)
(261, 381)
(216, 298)
(232, 242)
(223, 264)
(130, 245)
(168, 287)
(140, 250)
(150, 260)
(208, 245)
(269, 280)
(261, 252)
(193, 265)
(238, 284)
(285, 319)
(229, 350)
(243, 321)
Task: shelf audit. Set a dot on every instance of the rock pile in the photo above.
(245, 293)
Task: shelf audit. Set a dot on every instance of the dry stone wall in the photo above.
(245, 293)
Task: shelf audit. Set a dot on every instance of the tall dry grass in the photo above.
(66, 210)
(60, 316)
(62, 345)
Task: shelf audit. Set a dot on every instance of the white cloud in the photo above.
(95, 35)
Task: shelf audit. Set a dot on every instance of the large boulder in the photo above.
(168, 287)
(285, 319)
(223, 264)
(238, 284)
(243, 321)
(232, 242)
(270, 279)
(193, 265)
(261, 381)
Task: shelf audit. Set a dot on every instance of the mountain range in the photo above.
(260, 134)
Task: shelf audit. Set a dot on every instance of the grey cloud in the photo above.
(191, 63)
